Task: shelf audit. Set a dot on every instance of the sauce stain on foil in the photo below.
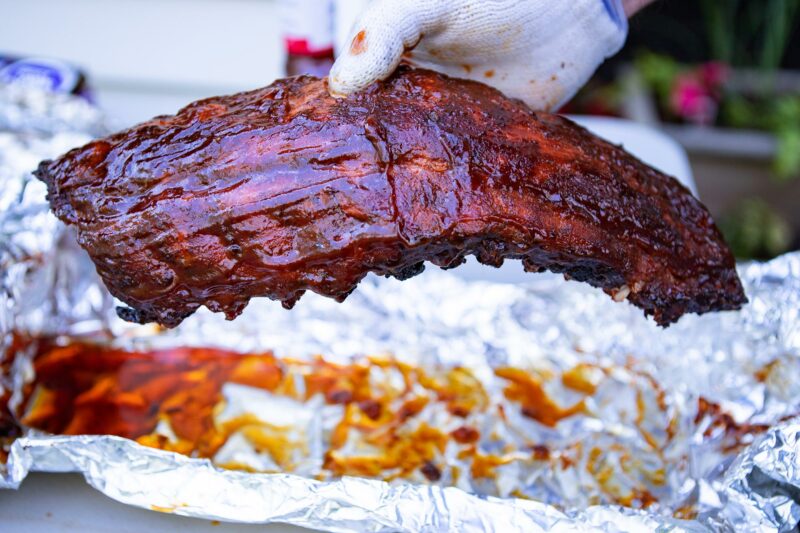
(382, 418)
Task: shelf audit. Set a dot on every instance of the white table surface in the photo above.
(64, 502)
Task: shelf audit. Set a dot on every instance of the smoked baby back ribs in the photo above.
(286, 189)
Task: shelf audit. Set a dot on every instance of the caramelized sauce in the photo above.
(717, 421)
(286, 189)
(84, 388)
(385, 429)
(529, 392)
(583, 378)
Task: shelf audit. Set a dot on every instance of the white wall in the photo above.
(147, 57)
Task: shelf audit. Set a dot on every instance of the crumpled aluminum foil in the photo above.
(747, 363)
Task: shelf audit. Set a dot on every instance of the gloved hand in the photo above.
(541, 51)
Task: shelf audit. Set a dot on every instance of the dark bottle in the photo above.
(308, 36)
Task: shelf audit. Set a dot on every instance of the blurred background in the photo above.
(722, 77)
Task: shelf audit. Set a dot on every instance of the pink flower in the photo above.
(692, 100)
(714, 75)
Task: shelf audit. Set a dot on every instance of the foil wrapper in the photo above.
(693, 428)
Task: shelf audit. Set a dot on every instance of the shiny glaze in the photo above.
(286, 189)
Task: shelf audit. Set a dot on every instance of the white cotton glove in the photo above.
(541, 51)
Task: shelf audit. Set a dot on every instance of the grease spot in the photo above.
(359, 44)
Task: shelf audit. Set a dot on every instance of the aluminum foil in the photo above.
(703, 415)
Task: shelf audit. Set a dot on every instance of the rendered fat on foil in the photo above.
(582, 416)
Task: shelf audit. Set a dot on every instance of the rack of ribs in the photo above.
(285, 189)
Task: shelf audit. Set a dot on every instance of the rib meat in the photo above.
(285, 189)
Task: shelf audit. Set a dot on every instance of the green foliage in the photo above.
(720, 19)
(764, 110)
(659, 73)
(779, 115)
(780, 16)
(754, 231)
(787, 162)
(749, 33)
(787, 128)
